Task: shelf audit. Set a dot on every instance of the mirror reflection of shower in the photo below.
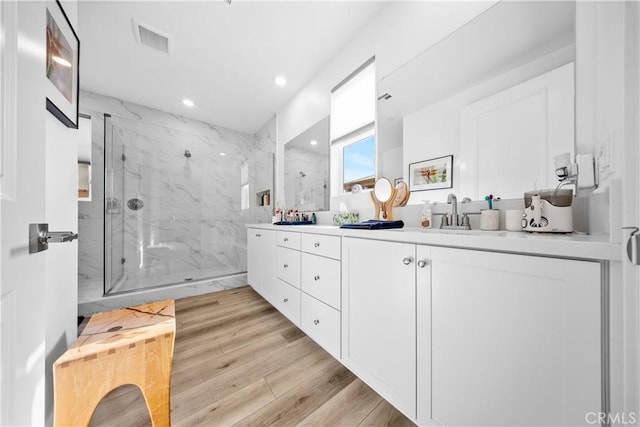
(306, 169)
(304, 189)
(186, 171)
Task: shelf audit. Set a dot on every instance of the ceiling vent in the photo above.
(151, 37)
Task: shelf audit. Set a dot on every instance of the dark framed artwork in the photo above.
(432, 174)
(63, 60)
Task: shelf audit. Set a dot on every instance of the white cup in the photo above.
(489, 219)
(513, 219)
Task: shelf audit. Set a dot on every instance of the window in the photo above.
(352, 130)
(359, 161)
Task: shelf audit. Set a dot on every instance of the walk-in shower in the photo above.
(176, 204)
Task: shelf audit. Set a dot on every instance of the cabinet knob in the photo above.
(423, 263)
(316, 322)
(286, 239)
(408, 260)
(316, 244)
(316, 278)
(285, 300)
(286, 266)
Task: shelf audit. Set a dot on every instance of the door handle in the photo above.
(40, 237)
(633, 245)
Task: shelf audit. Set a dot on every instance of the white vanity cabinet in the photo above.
(449, 336)
(306, 277)
(261, 262)
(288, 272)
(379, 317)
(508, 340)
(321, 284)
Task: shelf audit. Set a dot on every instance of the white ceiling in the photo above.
(224, 57)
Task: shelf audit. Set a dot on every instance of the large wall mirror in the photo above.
(306, 169)
(497, 94)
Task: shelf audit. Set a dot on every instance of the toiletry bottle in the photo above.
(314, 220)
(425, 218)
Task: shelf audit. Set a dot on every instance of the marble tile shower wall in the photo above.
(191, 205)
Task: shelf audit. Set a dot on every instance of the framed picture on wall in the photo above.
(63, 54)
(432, 174)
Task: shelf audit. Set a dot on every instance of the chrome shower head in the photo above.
(187, 153)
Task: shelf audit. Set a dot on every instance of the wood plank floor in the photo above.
(239, 362)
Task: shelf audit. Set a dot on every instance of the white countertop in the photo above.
(579, 246)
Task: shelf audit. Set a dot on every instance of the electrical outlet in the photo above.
(605, 157)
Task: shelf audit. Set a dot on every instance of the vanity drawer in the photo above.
(321, 323)
(288, 301)
(318, 244)
(288, 239)
(320, 278)
(288, 265)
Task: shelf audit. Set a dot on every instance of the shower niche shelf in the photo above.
(263, 198)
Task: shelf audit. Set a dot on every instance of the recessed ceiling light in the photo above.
(280, 80)
(188, 102)
(223, 154)
(313, 142)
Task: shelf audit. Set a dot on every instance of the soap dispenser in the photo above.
(426, 218)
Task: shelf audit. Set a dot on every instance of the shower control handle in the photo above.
(316, 322)
(258, 235)
(285, 300)
(286, 239)
(316, 278)
(286, 266)
(316, 244)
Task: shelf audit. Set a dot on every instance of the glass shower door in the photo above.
(174, 210)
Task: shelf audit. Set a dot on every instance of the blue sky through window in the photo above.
(359, 159)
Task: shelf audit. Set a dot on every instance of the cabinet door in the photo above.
(423, 336)
(268, 265)
(515, 339)
(379, 317)
(253, 258)
(261, 262)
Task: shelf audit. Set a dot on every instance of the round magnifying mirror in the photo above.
(383, 190)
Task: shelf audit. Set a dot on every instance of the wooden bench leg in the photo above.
(157, 387)
(74, 405)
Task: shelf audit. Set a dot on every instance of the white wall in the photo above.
(600, 90)
(607, 96)
(61, 293)
(398, 33)
(61, 258)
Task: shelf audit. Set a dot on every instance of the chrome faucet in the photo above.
(452, 221)
(453, 201)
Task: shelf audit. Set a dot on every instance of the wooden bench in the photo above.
(128, 346)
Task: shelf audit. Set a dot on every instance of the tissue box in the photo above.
(346, 218)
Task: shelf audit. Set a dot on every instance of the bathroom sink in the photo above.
(465, 232)
(453, 231)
